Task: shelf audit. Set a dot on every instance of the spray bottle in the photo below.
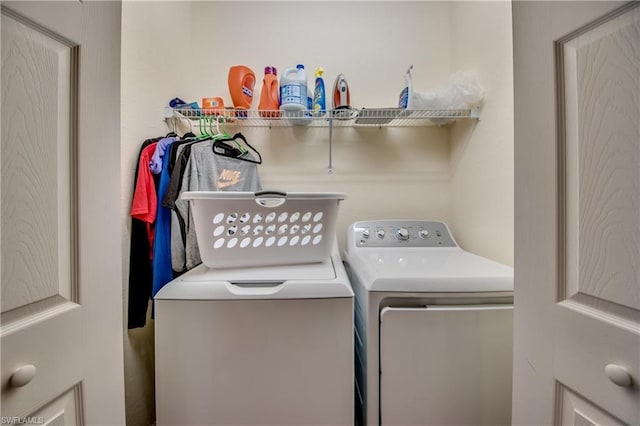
(319, 101)
(405, 95)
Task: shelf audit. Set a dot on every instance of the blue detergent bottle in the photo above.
(319, 101)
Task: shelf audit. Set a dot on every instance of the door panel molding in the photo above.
(36, 26)
(616, 315)
(573, 409)
(66, 409)
(47, 64)
(599, 187)
(58, 361)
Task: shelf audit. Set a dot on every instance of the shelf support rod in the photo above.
(330, 146)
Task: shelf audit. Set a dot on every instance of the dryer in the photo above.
(266, 345)
(433, 327)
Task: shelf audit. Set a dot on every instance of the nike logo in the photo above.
(228, 178)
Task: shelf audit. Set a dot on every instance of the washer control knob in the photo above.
(380, 233)
(402, 234)
(423, 233)
(365, 233)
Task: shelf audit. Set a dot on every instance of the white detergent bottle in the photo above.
(294, 95)
(293, 89)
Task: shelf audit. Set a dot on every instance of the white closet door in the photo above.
(446, 365)
(577, 133)
(60, 235)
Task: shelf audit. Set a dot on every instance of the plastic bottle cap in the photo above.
(319, 71)
(270, 70)
(300, 66)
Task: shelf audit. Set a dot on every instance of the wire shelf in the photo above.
(347, 117)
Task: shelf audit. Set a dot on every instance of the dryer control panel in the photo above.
(400, 233)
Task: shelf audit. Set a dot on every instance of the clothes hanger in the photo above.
(209, 121)
(172, 129)
(220, 147)
(233, 149)
(190, 132)
(224, 136)
(222, 133)
(203, 129)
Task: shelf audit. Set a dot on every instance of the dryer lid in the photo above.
(448, 269)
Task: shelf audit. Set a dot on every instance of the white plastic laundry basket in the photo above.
(236, 229)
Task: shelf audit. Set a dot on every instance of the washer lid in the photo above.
(323, 280)
(442, 269)
(304, 271)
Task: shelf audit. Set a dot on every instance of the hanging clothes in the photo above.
(155, 164)
(163, 239)
(140, 253)
(144, 205)
(161, 265)
(183, 151)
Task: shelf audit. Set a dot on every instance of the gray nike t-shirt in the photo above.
(206, 171)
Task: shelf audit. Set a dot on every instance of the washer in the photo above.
(433, 327)
(258, 345)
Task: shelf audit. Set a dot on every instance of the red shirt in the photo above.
(145, 201)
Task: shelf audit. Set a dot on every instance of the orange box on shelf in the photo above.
(212, 105)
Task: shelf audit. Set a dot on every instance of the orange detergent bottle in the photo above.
(270, 95)
(241, 83)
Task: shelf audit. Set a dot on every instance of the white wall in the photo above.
(185, 49)
(482, 154)
(148, 50)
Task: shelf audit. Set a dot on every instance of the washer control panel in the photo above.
(401, 233)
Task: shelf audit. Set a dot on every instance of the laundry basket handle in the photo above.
(270, 192)
(270, 199)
